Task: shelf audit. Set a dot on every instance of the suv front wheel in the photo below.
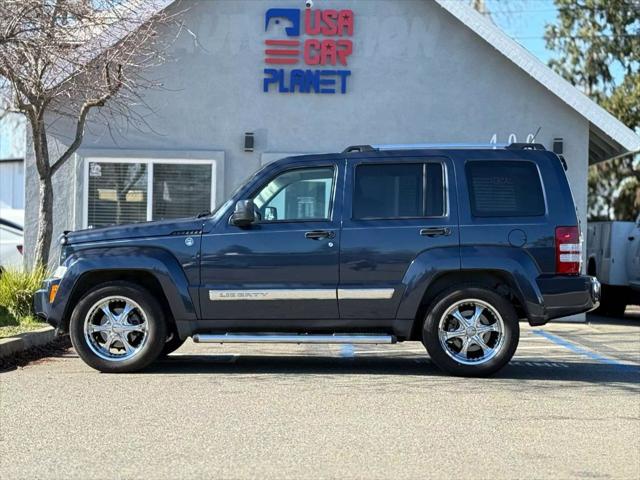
(471, 331)
(171, 344)
(118, 327)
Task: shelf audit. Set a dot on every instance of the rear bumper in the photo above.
(567, 295)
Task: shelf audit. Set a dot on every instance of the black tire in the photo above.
(612, 302)
(507, 348)
(156, 327)
(173, 343)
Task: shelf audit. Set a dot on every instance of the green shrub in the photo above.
(6, 319)
(17, 288)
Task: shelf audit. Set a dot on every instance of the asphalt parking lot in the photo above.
(568, 406)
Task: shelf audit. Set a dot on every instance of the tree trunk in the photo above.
(45, 222)
(45, 212)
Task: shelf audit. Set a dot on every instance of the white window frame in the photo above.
(149, 162)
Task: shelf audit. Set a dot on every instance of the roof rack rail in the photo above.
(423, 146)
(441, 146)
(444, 146)
(525, 146)
(359, 148)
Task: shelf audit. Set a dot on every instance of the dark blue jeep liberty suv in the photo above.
(448, 245)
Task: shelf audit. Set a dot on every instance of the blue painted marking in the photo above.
(347, 351)
(578, 349)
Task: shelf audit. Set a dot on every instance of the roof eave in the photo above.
(628, 140)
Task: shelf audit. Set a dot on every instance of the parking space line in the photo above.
(536, 347)
(347, 351)
(578, 349)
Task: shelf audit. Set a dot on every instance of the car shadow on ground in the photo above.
(57, 348)
(630, 318)
(592, 372)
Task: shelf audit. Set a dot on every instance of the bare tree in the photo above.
(62, 59)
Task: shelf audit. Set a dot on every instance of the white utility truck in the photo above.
(613, 252)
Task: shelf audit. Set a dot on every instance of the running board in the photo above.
(292, 338)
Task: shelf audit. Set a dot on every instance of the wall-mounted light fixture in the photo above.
(248, 142)
(558, 146)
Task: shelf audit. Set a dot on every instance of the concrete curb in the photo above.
(36, 338)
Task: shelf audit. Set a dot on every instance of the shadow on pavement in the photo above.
(592, 372)
(631, 318)
(58, 347)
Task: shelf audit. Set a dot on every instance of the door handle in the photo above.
(435, 231)
(632, 238)
(319, 234)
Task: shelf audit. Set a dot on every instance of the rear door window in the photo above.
(400, 190)
(504, 189)
(434, 193)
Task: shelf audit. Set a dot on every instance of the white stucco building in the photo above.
(269, 78)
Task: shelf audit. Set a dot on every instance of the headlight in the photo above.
(59, 272)
(64, 253)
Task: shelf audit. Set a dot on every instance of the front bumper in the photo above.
(41, 305)
(567, 295)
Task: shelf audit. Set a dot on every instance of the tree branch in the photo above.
(134, 180)
(113, 86)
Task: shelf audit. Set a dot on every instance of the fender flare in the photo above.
(517, 265)
(159, 263)
(424, 269)
(513, 264)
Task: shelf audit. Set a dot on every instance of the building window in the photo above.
(117, 193)
(180, 190)
(505, 189)
(127, 191)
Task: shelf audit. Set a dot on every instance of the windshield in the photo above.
(219, 210)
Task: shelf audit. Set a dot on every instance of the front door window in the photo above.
(297, 195)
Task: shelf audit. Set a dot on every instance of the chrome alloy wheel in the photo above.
(116, 328)
(471, 332)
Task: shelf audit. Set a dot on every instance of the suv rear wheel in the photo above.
(471, 331)
(118, 327)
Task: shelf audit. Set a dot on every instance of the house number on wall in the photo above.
(513, 138)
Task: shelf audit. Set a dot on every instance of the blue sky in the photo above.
(525, 20)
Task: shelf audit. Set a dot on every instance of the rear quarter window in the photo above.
(504, 189)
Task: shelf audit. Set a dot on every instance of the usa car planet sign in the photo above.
(307, 52)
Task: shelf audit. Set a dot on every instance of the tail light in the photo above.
(20, 248)
(568, 251)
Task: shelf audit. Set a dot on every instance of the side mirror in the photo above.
(244, 214)
(271, 214)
